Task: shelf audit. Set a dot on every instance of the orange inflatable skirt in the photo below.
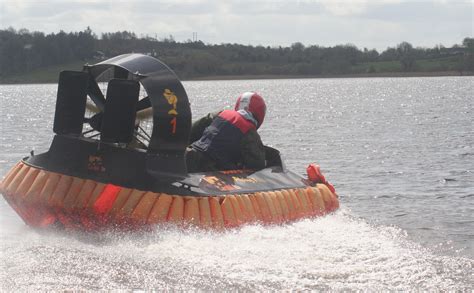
(44, 198)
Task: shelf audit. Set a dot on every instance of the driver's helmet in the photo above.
(253, 103)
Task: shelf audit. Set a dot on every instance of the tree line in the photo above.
(22, 51)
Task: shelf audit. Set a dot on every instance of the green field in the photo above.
(423, 65)
(440, 66)
(43, 75)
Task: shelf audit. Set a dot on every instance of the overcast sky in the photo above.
(364, 23)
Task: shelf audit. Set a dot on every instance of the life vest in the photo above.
(221, 140)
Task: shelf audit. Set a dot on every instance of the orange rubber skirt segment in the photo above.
(42, 198)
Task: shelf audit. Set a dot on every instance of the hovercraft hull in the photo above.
(43, 198)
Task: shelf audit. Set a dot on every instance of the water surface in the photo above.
(398, 150)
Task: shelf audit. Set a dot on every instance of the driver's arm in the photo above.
(197, 129)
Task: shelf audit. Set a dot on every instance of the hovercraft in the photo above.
(106, 167)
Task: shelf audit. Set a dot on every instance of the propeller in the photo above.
(96, 105)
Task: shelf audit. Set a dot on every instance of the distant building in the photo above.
(99, 55)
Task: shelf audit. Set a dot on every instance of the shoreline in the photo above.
(20, 80)
(349, 75)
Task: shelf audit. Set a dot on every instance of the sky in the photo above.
(372, 24)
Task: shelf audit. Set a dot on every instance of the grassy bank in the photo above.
(447, 64)
(351, 75)
(48, 74)
(428, 67)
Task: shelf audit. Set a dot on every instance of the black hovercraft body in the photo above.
(108, 166)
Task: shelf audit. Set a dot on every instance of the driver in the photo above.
(228, 140)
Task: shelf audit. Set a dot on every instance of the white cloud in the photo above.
(365, 23)
(343, 8)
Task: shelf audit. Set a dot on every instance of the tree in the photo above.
(468, 43)
(406, 55)
(468, 58)
(22, 51)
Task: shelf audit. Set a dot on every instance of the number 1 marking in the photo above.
(173, 123)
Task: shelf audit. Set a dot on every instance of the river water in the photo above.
(400, 152)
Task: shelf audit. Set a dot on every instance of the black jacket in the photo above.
(229, 140)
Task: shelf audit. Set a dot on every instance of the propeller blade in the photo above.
(95, 94)
(143, 104)
(145, 114)
(92, 107)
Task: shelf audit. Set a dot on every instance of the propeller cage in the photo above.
(116, 121)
